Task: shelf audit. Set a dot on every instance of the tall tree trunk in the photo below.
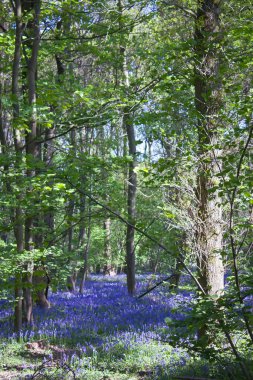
(107, 222)
(131, 205)
(208, 104)
(71, 280)
(131, 188)
(18, 214)
(31, 149)
(48, 153)
(41, 278)
(85, 210)
(127, 123)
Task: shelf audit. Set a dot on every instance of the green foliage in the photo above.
(78, 174)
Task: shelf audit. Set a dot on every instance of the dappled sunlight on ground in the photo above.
(104, 325)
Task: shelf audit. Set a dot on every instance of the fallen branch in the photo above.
(156, 285)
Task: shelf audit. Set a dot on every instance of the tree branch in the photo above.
(188, 11)
(156, 285)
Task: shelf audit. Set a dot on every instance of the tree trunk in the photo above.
(131, 206)
(174, 280)
(208, 105)
(128, 126)
(87, 234)
(107, 247)
(18, 214)
(31, 150)
(48, 153)
(107, 269)
(71, 281)
(85, 258)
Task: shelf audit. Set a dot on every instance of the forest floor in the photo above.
(102, 334)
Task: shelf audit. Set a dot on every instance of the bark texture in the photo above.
(208, 105)
(32, 150)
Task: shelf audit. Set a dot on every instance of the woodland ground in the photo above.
(102, 334)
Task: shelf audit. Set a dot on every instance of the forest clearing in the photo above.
(126, 189)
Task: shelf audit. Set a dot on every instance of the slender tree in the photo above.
(18, 217)
(128, 127)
